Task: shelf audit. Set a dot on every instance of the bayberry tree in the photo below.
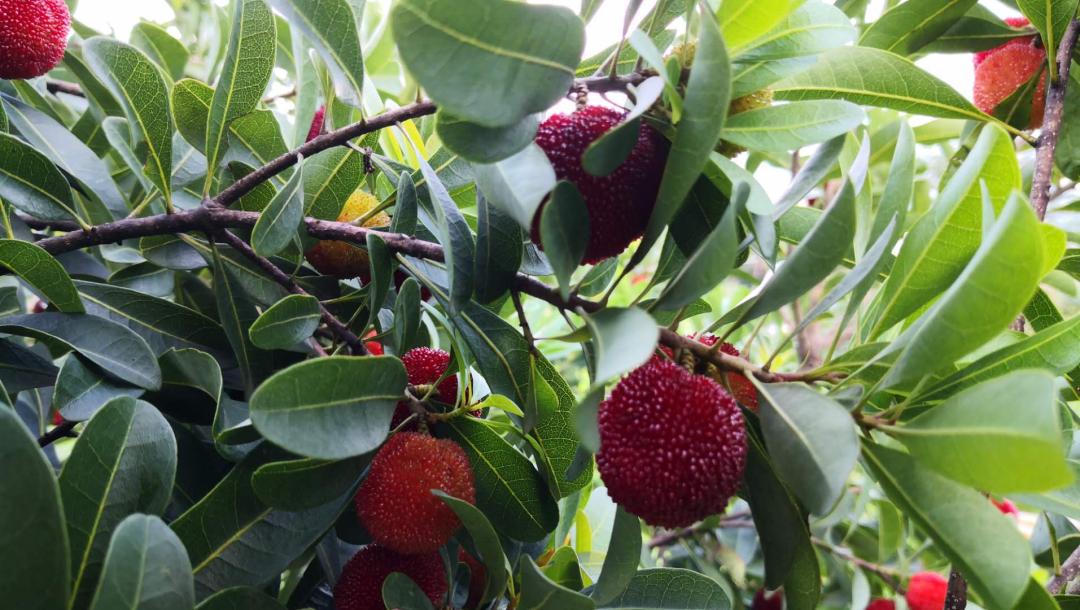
(410, 304)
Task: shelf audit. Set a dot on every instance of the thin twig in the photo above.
(59, 86)
(956, 596)
(66, 429)
(1055, 106)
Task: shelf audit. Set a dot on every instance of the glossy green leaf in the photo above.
(509, 490)
(237, 310)
(623, 339)
(908, 27)
(742, 21)
(606, 153)
(671, 589)
(960, 521)
(486, 542)
(160, 46)
(554, 430)
(564, 231)
(813, 27)
(329, 179)
(517, 185)
(536, 48)
(498, 251)
(81, 390)
(623, 556)
(134, 80)
(501, 353)
(32, 519)
(538, 592)
(277, 225)
(792, 126)
(481, 144)
(407, 316)
(43, 272)
(1051, 18)
(124, 462)
(146, 568)
(401, 592)
(290, 321)
(245, 73)
(330, 408)
(332, 28)
(303, 484)
(31, 183)
(445, 219)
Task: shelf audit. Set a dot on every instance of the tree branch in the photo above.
(956, 595)
(66, 429)
(1055, 106)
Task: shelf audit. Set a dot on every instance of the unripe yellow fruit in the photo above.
(343, 259)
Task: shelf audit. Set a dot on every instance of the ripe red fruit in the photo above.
(881, 604)
(477, 578)
(672, 445)
(741, 388)
(1007, 507)
(317, 123)
(33, 36)
(620, 203)
(395, 502)
(360, 585)
(765, 601)
(926, 591)
(426, 365)
(1001, 71)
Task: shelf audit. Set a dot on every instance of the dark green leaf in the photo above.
(564, 231)
(43, 272)
(278, 223)
(605, 154)
(481, 144)
(31, 183)
(400, 592)
(332, 28)
(80, 390)
(623, 556)
(290, 321)
(486, 542)
(162, 47)
(146, 568)
(240, 598)
(539, 593)
(623, 339)
(671, 589)
(303, 484)
(238, 313)
(498, 251)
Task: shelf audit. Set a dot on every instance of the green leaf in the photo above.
(81, 390)
(162, 47)
(118, 351)
(329, 179)
(498, 251)
(1051, 18)
(812, 441)
(554, 430)
(146, 568)
(444, 218)
(872, 77)
(979, 29)
(124, 462)
(623, 556)
(330, 408)
(711, 262)
(509, 490)
(943, 241)
(332, 28)
(31, 183)
(990, 444)
(792, 126)
(670, 589)
(240, 598)
(401, 592)
(564, 231)
(22, 369)
(34, 571)
(485, 540)
(960, 521)
(278, 223)
(1007, 265)
(236, 307)
(407, 316)
(517, 185)
(501, 353)
(234, 539)
(303, 484)
(245, 73)
(481, 144)
(136, 82)
(539, 593)
(606, 153)
(43, 272)
(742, 21)
(823, 248)
(708, 92)
(623, 339)
(908, 27)
(812, 28)
(510, 59)
(290, 321)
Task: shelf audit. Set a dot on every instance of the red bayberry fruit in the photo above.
(317, 123)
(426, 365)
(1013, 22)
(741, 388)
(1007, 507)
(1001, 71)
(620, 203)
(766, 601)
(373, 347)
(881, 604)
(926, 591)
(360, 585)
(33, 36)
(672, 445)
(477, 578)
(395, 502)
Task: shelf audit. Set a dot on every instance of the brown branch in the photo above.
(66, 429)
(1055, 106)
(59, 86)
(956, 596)
(332, 322)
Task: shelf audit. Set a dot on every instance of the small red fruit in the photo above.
(373, 347)
(1001, 71)
(767, 601)
(395, 502)
(881, 604)
(33, 36)
(360, 585)
(672, 445)
(620, 203)
(317, 123)
(425, 365)
(1007, 507)
(926, 591)
(477, 578)
(740, 387)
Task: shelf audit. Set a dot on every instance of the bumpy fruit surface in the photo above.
(342, 259)
(360, 585)
(766, 601)
(425, 365)
(33, 36)
(926, 591)
(620, 203)
(1001, 71)
(477, 579)
(317, 123)
(881, 604)
(395, 503)
(672, 445)
(741, 388)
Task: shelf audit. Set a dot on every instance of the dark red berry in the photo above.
(360, 584)
(425, 365)
(317, 123)
(767, 601)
